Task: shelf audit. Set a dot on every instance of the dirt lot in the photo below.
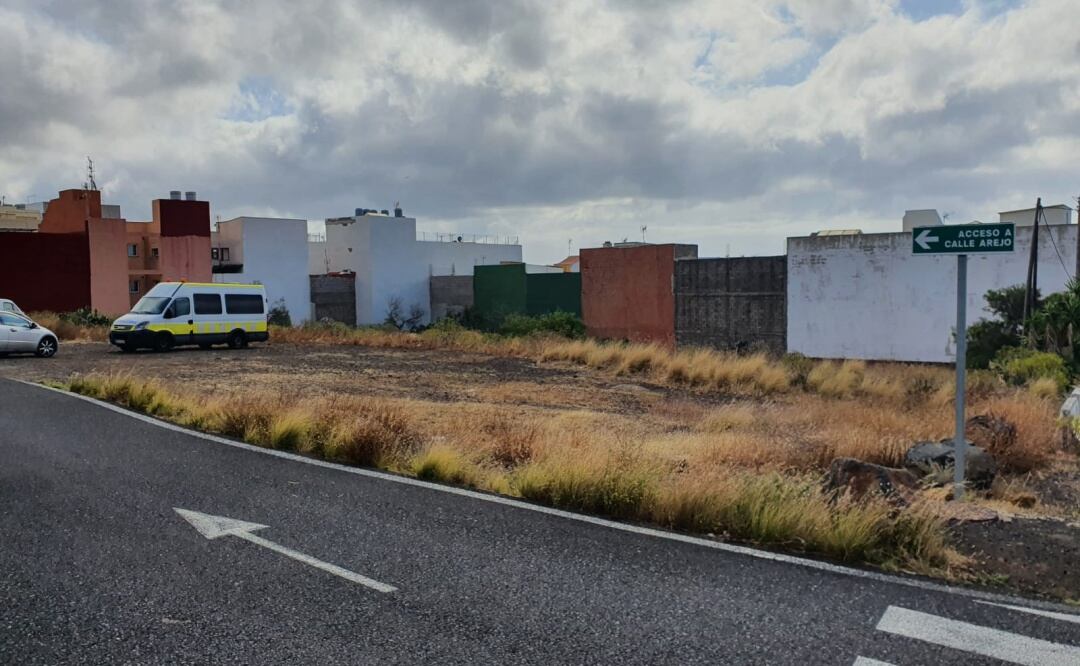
(1035, 550)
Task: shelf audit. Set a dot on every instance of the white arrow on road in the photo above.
(213, 527)
(924, 239)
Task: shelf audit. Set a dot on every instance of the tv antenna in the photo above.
(643, 228)
(90, 184)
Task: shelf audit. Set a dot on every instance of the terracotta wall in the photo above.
(185, 258)
(108, 266)
(70, 210)
(628, 293)
(46, 271)
(184, 243)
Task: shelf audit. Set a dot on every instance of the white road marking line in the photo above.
(867, 661)
(213, 527)
(994, 643)
(519, 504)
(1035, 611)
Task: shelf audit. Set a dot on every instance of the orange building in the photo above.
(80, 258)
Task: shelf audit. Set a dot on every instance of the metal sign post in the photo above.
(962, 240)
(960, 441)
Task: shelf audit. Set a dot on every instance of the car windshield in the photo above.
(150, 305)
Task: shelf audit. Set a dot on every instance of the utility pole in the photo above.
(1032, 286)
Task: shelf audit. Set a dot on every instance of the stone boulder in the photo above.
(934, 463)
(990, 432)
(860, 478)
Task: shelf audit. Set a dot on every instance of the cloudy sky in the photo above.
(731, 124)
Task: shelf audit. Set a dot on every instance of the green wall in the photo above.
(498, 291)
(507, 289)
(548, 292)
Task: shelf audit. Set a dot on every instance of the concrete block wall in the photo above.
(334, 297)
(732, 303)
(450, 295)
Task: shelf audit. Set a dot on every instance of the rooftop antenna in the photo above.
(569, 247)
(643, 228)
(90, 184)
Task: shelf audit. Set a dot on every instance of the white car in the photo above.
(19, 335)
(8, 305)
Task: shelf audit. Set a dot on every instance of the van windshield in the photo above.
(151, 305)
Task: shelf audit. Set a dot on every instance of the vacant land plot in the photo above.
(654, 446)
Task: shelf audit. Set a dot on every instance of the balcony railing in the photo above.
(487, 239)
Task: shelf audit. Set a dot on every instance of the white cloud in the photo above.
(554, 119)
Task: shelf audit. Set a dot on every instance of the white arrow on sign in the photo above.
(213, 527)
(924, 239)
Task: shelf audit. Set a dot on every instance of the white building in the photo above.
(1059, 214)
(869, 297)
(391, 264)
(270, 251)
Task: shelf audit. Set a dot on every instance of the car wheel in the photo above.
(163, 342)
(237, 340)
(46, 347)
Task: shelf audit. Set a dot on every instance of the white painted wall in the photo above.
(869, 297)
(390, 263)
(317, 261)
(275, 254)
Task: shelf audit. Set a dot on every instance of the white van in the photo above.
(193, 313)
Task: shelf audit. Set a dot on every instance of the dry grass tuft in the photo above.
(68, 331)
(1037, 438)
(746, 470)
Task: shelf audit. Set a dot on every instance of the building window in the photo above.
(154, 252)
(133, 250)
(134, 286)
(224, 254)
(215, 254)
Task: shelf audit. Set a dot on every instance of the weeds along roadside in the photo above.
(565, 462)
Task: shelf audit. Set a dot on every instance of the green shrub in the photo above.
(279, 314)
(1020, 365)
(798, 367)
(560, 323)
(86, 317)
(986, 338)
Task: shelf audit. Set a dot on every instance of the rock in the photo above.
(990, 432)
(860, 478)
(934, 462)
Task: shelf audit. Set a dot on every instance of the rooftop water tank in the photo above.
(190, 196)
(174, 195)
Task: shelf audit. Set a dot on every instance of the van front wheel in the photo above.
(237, 340)
(163, 342)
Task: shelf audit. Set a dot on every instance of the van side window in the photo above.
(181, 307)
(207, 304)
(243, 304)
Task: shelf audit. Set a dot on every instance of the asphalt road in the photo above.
(96, 566)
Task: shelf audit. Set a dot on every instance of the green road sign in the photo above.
(962, 239)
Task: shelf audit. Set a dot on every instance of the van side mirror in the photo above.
(33, 324)
(168, 313)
